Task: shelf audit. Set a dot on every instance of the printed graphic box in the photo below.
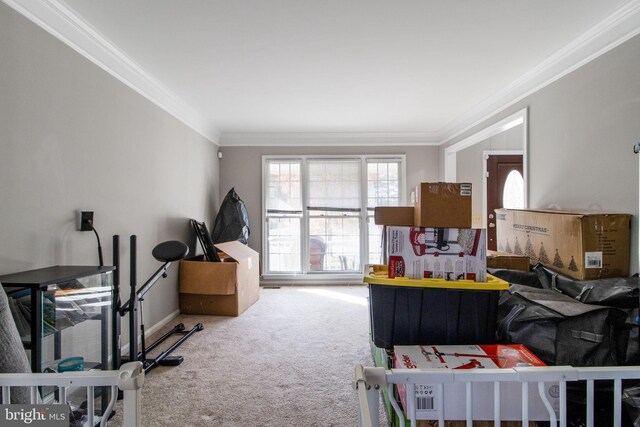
(442, 205)
(471, 357)
(580, 245)
(438, 253)
(220, 288)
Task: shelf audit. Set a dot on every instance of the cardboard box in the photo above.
(503, 260)
(472, 357)
(580, 245)
(393, 215)
(442, 205)
(438, 253)
(220, 288)
(384, 359)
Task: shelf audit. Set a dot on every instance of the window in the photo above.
(318, 211)
(513, 193)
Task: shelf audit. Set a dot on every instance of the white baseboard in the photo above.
(152, 330)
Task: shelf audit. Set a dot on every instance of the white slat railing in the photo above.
(370, 381)
(129, 378)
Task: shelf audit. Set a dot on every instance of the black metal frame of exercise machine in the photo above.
(165, 252)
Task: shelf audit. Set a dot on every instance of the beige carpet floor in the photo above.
(287, 361)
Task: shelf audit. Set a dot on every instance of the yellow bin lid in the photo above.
(379, 275)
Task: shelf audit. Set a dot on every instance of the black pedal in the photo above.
(171, 361)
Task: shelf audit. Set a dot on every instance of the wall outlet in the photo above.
(85, 221)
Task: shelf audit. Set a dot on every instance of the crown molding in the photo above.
(611, 32)
(63, 23)
(309, 139)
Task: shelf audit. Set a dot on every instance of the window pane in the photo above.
(283, 244)
(383, 183)
(375, 243)
(338, 239)
(334, 184)
(284, 186)
(513, 193)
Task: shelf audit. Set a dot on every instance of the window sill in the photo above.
(343, 279)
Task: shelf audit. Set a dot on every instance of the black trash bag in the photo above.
(631, 402)
(519, 277)
(232, 222)
(561, 330)
(621, 292)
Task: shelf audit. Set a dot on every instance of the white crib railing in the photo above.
(129, 378)
(370, 381)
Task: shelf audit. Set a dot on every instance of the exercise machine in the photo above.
(165, 252)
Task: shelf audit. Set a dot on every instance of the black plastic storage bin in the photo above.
(433, 311)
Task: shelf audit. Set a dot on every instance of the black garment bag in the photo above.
(620, 292)
(559, 329)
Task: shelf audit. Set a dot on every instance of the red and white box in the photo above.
(473, 357)
(437, 253)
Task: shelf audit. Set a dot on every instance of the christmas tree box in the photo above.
(579, 244)
(498, 356)
(437, 253)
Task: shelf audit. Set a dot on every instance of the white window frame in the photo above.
(324, 276)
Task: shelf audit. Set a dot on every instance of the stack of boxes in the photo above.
(434, 238)
(422, 303)
(435, 288)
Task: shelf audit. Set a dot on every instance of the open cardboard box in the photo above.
(224, 288)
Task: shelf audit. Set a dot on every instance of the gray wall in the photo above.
(470, 165)
(241, 167)
(74, 138)
(581, 132)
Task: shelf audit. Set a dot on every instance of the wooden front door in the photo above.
(499, 168)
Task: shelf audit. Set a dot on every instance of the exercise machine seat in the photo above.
(169, 251)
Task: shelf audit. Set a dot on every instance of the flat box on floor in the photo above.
(473, 357)
(437, 253)
(220, 288)
(580, 245)
(442, 205)
(411, 312)
(503, 260)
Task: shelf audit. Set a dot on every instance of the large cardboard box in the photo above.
(473, 357)
(442, 205)
(580, 245)
(383, 358)
(438, 253)
(503, 260)
(220, 288)
(393, 215)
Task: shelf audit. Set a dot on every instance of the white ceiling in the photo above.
(425, 69)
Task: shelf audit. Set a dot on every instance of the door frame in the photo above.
(485, 156)
(518, 118)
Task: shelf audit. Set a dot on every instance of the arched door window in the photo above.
(513, 193)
